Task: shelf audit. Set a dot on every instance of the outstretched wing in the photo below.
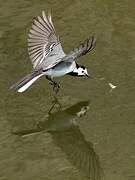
(84, 48)
(42, 41)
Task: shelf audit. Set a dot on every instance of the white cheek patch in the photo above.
(80, 71)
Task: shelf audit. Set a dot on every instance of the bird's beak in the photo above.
(87, 75)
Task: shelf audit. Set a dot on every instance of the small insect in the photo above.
(112, 86)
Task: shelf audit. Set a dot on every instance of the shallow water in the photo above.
(35, 144)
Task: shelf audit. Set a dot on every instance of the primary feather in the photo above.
(44, 47)
(85, 47)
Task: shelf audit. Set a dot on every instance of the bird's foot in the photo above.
(56, 86)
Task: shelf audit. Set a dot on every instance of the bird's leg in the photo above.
(56, 86)
(54, 103)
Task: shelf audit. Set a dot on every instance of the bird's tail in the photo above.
(26, 82)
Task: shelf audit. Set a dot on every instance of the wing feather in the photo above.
(44, 47)
(43, 42)
(82, 49)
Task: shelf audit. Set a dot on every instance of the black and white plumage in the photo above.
(47, 55)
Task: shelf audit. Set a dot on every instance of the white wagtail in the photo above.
(48, 57)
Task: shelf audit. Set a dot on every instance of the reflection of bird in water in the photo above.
(79, 152)
(63, 127)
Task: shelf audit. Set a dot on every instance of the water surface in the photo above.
(103, 138)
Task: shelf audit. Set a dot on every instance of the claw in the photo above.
(56, 87)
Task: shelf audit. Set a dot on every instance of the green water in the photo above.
(38, 145)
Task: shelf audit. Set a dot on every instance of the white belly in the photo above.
(61, 69)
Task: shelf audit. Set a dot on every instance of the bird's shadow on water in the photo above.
(66, 134)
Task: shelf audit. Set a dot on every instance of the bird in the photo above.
(47, 55)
